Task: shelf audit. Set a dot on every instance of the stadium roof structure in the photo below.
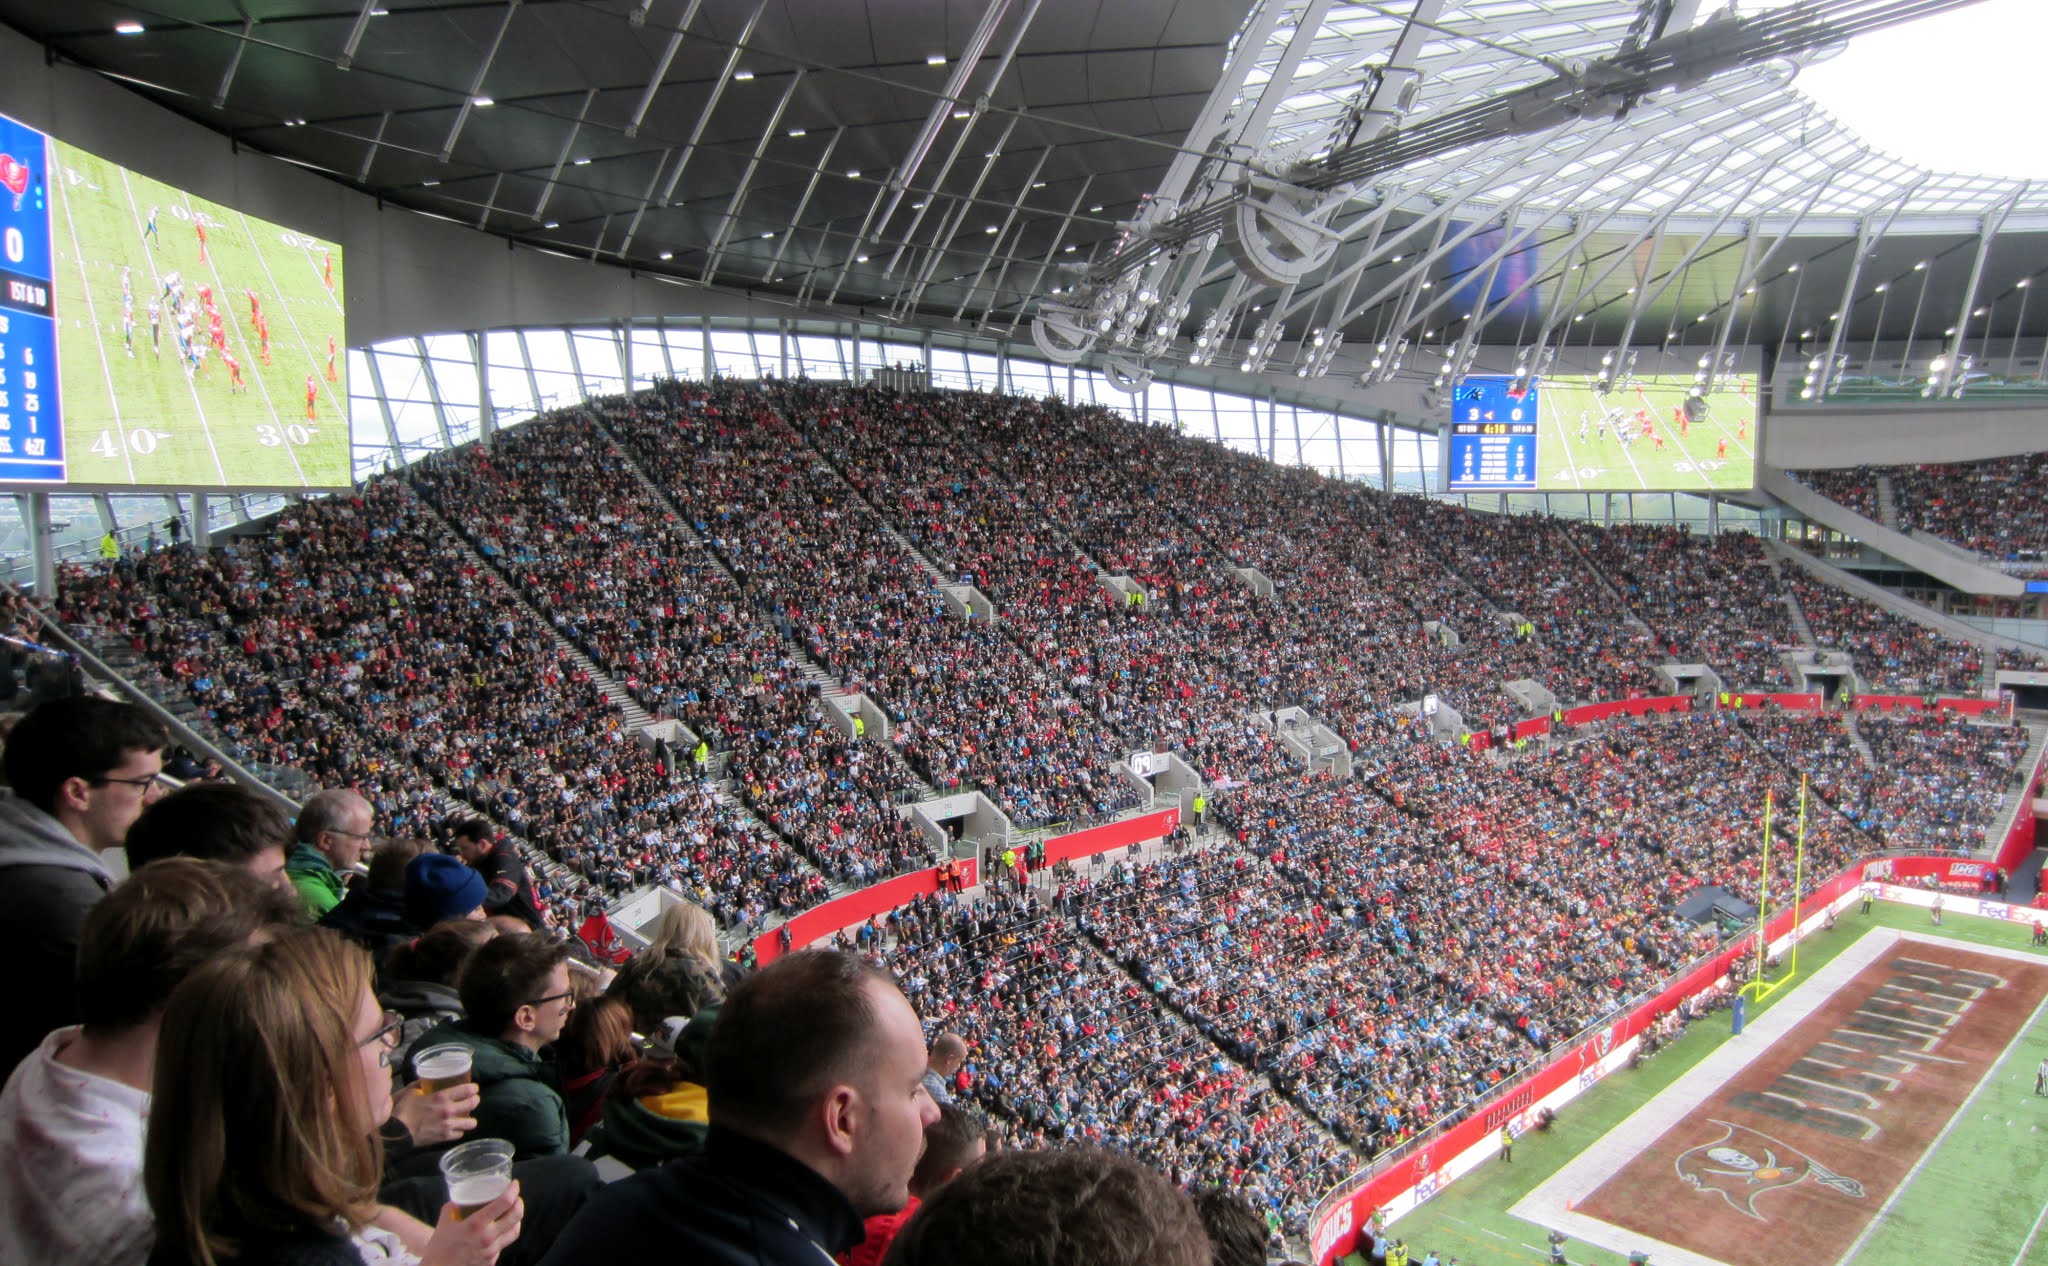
(1247, 184)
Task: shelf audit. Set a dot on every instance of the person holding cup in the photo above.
(271, 1081)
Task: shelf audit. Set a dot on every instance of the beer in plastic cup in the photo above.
(440, 1067)
(477, 1172)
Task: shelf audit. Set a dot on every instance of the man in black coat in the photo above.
(510, 891)
(818, 1110)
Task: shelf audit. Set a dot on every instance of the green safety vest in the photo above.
(860, 727)
(1200, 804)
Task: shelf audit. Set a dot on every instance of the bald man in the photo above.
(948, 1052)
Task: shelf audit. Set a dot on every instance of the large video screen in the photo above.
(152, 338)
(1564, 434)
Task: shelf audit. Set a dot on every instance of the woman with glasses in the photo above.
(272, 1078)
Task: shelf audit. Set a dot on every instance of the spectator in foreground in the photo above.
(515, 1000)
(79, 770)
(333, 830)
(595, 1044)
(818, 1116)
(681, 971)
(372, 914)
(219, 821)
(951, 1143)
(1237, 1234)
(271, 1081)
(656, 1108)
(949, 1051)
(420, 978)
(1075, 1206)
(511, 893)
(71, 1117)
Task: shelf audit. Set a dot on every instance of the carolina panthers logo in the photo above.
(1743, 1164)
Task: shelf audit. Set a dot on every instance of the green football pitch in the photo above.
(1582, 454)
(1980, 1196)
(135, 413)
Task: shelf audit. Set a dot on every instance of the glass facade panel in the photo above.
(732, 354)
(448, 347)
(650, 355)
(820, 358)
(597, 355)
(949, 369)
(456, 382)
(549, 350)
(686, 351)
(982, 371)
(405, 377)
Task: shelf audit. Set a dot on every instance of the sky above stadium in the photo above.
(1954, 93)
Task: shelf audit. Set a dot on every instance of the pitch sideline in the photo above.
(1550, 1203)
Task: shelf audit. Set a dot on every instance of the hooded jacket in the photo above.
(655, 1129)
(520, 1103)
(48, 881)
(314, 879)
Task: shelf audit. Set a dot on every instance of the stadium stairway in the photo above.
(631, 712)
(1857, 741)
(1888, 503)
(1792, 607)
(816, 675)
(2016, 800)
(916, 555)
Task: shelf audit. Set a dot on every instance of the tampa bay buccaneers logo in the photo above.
(1743, 1164)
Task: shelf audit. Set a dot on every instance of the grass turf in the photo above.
(1602, 463)
(1977, 1199)
(140, 419)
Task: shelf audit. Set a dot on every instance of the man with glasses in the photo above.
(79, 770)
(515, 1000)
(333, 830)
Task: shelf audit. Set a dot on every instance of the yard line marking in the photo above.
(284, 304)
(1927, 1153)
(1571, 460)
(2029, 1243)
(233, 311)
(170, 315)
(92, 314)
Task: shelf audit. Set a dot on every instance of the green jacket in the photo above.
(652, 1131)
(318, 886)
(521, 1103)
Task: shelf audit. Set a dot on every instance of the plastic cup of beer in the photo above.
(440, 1067)
(477, 1172)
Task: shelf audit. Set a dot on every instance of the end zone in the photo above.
(1790, 1142)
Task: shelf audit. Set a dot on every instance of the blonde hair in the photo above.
(684, 928)
(255, 1123)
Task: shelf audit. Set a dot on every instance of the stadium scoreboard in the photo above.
(150, 338)
(1492, 444)
(1585, 432)
(31, 424)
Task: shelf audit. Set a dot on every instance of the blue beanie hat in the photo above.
(438, 888)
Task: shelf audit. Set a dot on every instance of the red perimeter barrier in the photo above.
(1336, 1231)
(856, 908)
(1628, 707)
(1100, 839)
(819, 922)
